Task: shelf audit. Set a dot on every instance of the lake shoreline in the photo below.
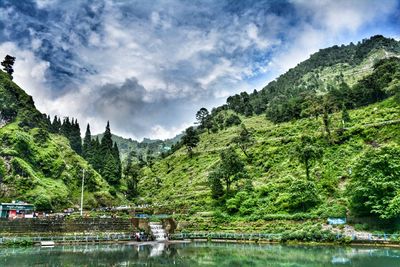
(25, 241)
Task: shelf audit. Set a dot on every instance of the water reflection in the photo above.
(199, 254)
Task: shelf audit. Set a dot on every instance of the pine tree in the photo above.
(66, 127)
(55, 126)
(87, 151)
(75, 137)
(117, 160)
(132, 174)
(97, 157)
(8, 65)
(108, 155)
(109, 170)
(106, 140)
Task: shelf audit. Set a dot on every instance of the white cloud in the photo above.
(183, 56)
(29, 72)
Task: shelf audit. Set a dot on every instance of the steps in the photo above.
(158, 232)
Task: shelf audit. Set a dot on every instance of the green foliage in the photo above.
(217, 190)
(232, 120)
(229, 170)
(375, 187)
(190, 140)
(132, 175)
(7, 64)
(303, 195)
(43, 203)
(38, 166)
(307, 152)
(244, 140)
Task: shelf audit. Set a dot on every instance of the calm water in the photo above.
(199, 254)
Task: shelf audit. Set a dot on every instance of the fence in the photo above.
(68, 238)
(278, 237)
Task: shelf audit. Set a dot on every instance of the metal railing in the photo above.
(69, 238)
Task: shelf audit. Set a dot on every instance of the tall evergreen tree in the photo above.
(97, 157)
(118, 160)
(87, 149)
(111, 168)
(106, 140)
(75, 137)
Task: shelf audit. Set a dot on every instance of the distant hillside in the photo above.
(38, 166)
(148, 147)
(292, 95)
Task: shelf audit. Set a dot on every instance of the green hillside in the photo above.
(38, 166)
(180, 182)
(345, 129)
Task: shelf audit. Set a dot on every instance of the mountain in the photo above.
(37, 166)
(288, 97)
(297, 164)
(151, 148)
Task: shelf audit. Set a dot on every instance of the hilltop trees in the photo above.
(7, 64)
(70, 129)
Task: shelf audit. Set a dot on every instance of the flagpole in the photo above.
(83, 181)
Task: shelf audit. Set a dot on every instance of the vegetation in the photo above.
(37, 165)
(8, 64)
(320, 141)
(305, 160)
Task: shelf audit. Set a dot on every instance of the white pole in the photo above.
(83, 181)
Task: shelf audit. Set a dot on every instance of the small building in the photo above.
(16, 210)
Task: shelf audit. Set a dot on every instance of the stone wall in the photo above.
(65, 225)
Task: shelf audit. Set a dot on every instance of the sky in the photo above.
(148, 66)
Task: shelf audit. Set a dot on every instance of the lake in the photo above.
(200, 254)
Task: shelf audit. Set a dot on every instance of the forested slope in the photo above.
(39, 166)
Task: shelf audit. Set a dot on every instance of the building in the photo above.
(16, 210)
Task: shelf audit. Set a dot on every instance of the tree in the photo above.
(75, 137)
(7, 64)
(214, 180)
(132, 174)
(244, 140)
(108, 156)
(375, 185)
(230, 170)
(190, 140)
(201, 116)
(307, 153)
(106, 140)
(303, 195)
(233, 119)
(117, 159)
(109, 169)
(88, 148)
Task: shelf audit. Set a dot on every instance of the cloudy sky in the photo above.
(148, 66)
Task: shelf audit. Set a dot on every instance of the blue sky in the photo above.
(148, 66)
